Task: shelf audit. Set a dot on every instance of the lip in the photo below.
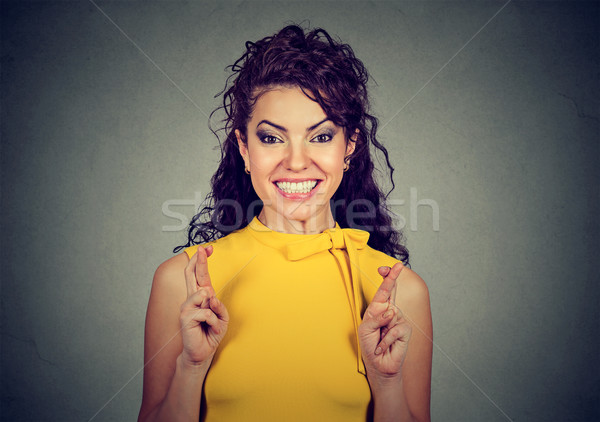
(295, 180)
(297, 196)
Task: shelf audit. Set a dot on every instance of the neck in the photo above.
(314, 224)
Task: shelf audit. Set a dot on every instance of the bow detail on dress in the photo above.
(343, 245)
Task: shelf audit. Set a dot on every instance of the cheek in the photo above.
(335, 167)
(334, 162)
(263, 161)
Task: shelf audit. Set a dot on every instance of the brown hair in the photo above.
(327, 72)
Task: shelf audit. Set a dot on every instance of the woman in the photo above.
(288, 311)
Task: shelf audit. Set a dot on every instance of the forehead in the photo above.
(287, 107)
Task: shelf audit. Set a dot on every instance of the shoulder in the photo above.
(412, 290)
(172, 266)
(169, 280)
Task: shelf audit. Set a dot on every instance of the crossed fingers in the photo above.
(384, 314)
(197, 277)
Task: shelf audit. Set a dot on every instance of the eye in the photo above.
(269, 139)
(322, 138)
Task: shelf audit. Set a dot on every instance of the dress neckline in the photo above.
(279, 240)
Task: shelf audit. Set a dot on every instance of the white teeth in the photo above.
(300, 187)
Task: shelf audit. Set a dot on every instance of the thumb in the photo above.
(219, 309)
(376, 316)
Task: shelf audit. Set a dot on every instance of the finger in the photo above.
(190, 276)
(393, 293)
(202, 276)
(374, 320)
(384, 292)
(384, 331)
(219, 309)
(205, 295)
(396, 319)
(198, 300)
(395, 271)
(398, 312)
(193, 318)
(400, 332)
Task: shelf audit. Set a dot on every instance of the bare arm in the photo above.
(412, 297)
(184, 325)
(400, 374)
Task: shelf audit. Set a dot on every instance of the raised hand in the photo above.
(203, 317)
(384, 333)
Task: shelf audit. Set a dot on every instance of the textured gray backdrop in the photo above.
(105, 141)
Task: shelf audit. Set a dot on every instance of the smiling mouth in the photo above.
(297, 187)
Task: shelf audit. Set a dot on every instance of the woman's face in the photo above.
(296, 160)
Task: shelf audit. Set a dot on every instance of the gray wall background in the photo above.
(96, 138)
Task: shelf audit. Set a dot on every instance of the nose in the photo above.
(297, 157)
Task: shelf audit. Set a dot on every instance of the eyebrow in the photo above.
(281, 128)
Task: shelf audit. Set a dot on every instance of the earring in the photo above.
(346, 167)
(246, 170)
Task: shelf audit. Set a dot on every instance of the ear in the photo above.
(351, 145)
(243, 148)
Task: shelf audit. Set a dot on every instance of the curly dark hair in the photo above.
(327, 72)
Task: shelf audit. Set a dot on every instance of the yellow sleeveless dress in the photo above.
(295, 302)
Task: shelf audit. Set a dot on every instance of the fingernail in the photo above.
(378, 350)
(388, 314)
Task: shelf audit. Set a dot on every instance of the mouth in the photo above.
(297, 190)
